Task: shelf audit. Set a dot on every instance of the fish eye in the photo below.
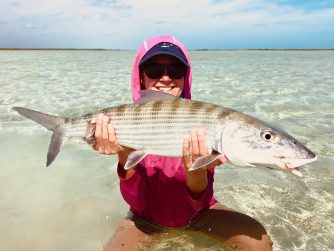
(267, 135)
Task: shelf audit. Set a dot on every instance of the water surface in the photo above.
(76, 204)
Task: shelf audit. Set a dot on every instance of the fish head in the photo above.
(247, 141)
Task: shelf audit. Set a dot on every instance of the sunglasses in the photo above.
(155, 70)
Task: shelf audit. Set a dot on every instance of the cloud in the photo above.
(3, 22)
(32, 26)
(124, 23)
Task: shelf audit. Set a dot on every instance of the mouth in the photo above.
(165, 88)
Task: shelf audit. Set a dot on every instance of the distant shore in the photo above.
(57, 49)
(99, 49)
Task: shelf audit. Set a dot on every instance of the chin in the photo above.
(174, 92)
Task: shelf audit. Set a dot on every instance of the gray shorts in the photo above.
(236, 231)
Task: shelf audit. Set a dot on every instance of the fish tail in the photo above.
(52, 123)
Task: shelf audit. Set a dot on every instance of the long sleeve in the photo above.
(134, 189)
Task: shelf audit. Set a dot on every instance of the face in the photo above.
(164, 83)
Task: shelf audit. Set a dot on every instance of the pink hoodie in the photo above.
(157, 191)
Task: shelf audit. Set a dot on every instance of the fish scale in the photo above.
(158, 127)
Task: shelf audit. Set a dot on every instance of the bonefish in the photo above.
(159, 122)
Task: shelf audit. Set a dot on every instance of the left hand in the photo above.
(198, 142)
(197, 180)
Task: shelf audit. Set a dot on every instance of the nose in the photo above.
(165, 77)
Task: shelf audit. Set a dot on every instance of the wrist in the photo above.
(197, 182)
(122, 158)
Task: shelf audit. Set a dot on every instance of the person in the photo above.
(161, 192)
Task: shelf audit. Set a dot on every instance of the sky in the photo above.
(199, 24)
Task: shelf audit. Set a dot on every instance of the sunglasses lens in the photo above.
(175, 71)
(154, 71)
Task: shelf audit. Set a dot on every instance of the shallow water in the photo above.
(76, 204)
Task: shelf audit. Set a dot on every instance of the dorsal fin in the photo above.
(149, 95)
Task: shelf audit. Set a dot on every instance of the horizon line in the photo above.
(103, 49)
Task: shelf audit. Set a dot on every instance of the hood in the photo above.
(144, 48)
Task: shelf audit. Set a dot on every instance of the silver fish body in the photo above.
(159, 123)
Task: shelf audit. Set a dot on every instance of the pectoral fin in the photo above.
(134, 158)
(205, 160)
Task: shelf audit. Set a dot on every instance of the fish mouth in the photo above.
(291, 165)
(294, 171)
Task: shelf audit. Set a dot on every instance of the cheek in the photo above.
(146, 83)
(180, 83)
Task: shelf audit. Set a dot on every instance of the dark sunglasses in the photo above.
(155, 70)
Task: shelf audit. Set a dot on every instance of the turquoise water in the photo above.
(76, 204)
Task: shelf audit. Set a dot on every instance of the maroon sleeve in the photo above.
(134, 189)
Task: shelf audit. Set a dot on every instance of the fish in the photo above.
(159, 122)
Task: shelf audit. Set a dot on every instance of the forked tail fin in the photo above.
(53, 123)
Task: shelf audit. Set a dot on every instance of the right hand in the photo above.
(106, 141)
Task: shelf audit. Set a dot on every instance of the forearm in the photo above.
(197, 182)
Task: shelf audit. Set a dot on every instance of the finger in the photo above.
(98, 133)
(202, 144)
(95, 147)
(187, 161)
(104, 131)
(223, 159)
(101, 148)
(194, 144)
(98, 129)
(114, 146)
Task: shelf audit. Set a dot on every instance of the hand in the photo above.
(198, 142)
(106, 142)
(197, 180)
